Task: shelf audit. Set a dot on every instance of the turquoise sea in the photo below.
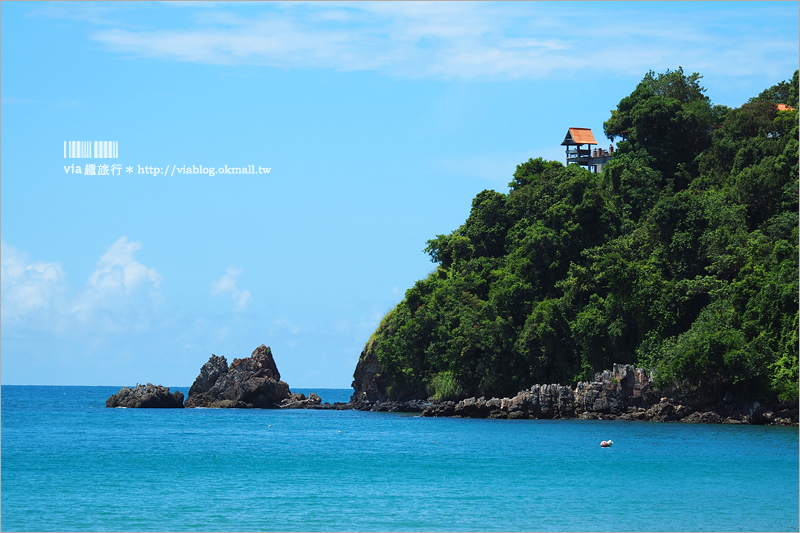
(70, 464)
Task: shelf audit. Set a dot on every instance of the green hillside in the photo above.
(680, 256)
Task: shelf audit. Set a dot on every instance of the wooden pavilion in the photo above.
(579, 142)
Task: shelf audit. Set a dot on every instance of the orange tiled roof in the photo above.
(579, 136)
(777, 107)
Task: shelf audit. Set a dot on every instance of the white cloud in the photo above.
(471, 40)
(227, 284)
(284, 324)
(28, 287)
(120, 289)
(243, 299)
(120, 295)
(119, 273)
(92, 12)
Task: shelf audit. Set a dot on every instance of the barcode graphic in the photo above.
(91, 149)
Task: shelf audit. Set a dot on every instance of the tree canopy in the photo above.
(681, 257)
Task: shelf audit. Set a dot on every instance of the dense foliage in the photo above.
(681, 256)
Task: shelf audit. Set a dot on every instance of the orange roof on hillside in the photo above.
(777, 107)
(579, 136)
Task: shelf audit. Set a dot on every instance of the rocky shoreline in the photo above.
(622, 393)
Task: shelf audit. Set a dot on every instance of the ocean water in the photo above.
(70, 464)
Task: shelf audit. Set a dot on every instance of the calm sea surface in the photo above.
(70, 464)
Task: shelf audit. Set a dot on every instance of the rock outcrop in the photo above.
(253, 382)
(367, 376)
(623, 393)
(614, 391)
(299, 401)
(146, 396)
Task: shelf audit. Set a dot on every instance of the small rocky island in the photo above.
(247, 383)
(146, 396)
(252, 382)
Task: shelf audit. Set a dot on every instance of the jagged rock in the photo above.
(667, 412)
(472, 408)
(708, 417)
(542, 401)
(299, 401)
(209, 372)
(253, 382)
(446, 408)
(146, 396)
(614, 391)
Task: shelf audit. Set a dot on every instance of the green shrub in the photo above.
(444, 386)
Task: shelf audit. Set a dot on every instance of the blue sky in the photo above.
(379, 121)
